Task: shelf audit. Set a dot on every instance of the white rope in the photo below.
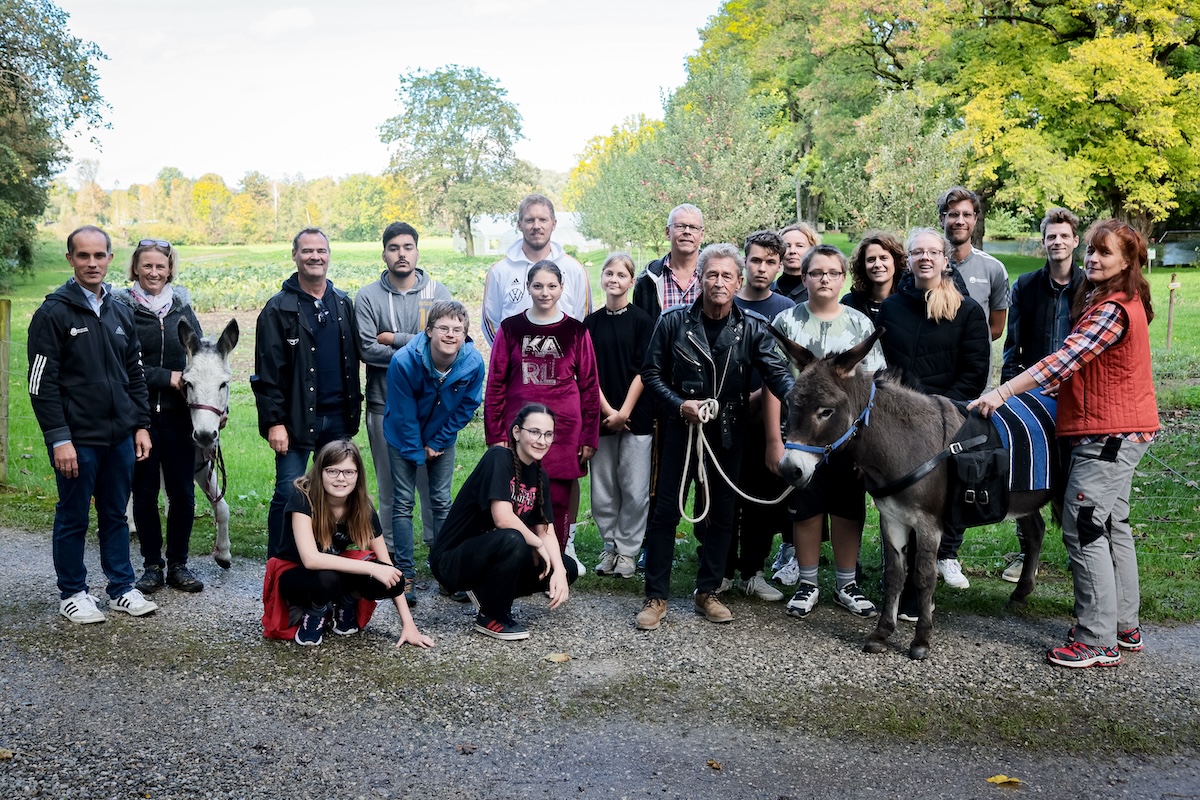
(707, 412)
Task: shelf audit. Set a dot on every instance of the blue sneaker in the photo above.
(312, 623)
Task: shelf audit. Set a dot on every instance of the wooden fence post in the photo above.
(1173, 285)
(5, 339)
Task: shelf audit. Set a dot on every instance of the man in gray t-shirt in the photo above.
(985, 277)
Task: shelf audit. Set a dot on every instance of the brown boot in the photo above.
(711, 608)
(652, 614)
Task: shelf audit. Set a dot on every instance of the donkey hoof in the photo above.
(874, 646)
(223, 563)
(918, 652)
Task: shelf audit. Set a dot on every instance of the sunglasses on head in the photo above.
(155, 243)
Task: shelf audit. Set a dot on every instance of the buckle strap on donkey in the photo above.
(962, 441)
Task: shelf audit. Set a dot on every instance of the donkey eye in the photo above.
(224, 385)
(824, 413)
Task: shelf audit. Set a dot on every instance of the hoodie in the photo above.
(504, 287)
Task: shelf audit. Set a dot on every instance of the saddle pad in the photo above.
(1026, 426)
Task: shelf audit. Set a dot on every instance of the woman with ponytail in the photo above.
(498, 541)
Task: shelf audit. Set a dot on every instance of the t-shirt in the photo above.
(298, 504)
(493, 479)
(986, 279)
(620, 340)
(836, 335)
(770, 307)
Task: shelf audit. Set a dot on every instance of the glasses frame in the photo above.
(537, 435)
(333, 473)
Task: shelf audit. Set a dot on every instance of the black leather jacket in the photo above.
(679, 365)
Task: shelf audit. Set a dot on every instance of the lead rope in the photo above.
(708, 411)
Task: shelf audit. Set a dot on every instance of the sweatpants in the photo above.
(620, 475)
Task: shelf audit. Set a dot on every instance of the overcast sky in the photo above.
(227, 87)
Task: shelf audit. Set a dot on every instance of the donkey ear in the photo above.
(799, 355)
(845, 362)
(229, 338)
(188, 338)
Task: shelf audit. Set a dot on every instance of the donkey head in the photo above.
(206, 383)
(820, 408)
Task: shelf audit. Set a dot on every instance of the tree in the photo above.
(454, 140)
(211, 201)
(47, 85)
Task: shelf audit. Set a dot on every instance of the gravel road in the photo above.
(192, 702)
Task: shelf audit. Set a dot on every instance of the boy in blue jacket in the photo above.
(434, 385)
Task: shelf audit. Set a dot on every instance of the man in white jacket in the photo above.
(504, 288)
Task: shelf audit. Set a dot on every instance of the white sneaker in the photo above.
(133, 603)
(788, 574)
(803, 601)
(952, 574)
(625, 568)
(81, 607)
(851, 598)
(786, 553)
(569, 552)
(1012, 573)
(726, 585)
(608, 562)
(758, 587)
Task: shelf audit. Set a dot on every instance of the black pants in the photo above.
(498, 566)
(313, 588)
(174, 455)
(713, 533)
(755, 523)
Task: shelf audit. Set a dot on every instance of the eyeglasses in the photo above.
(155, 243)
(539, 435)
(925, 253)
(333, 473)
(819, 276)
(683, 227)
(446, 330)
(322, 311)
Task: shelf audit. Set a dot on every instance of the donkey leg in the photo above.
(928, 537)
(1032, 530)
(206, 479)
(893, 536)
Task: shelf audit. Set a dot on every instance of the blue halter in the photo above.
(863, 419)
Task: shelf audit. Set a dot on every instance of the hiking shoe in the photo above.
(851, 598)
(788, 574)
(708, 606)
(1016, 565)
(151, 580)
(1130, 640)
(133, 603)
(803, 601)
(786, 553)
(81, 607)
(608, 563)
(410, 592)
(1079, 655)
(507, 629)
(181, 578)
(952, 574)
(345, 617)
(654, 610)
(758, 587)
(312, 623)
(625, 567)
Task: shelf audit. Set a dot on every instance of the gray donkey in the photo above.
(889, 430)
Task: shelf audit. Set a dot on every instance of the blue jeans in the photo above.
(291, 465)
(105, 473)
(404, 488)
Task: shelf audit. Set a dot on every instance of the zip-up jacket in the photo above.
(162, 352)
(86, 381)
(648, 289)
(504, 287)
(425, 409)
(380, 307)
(285, 364)
(679, 365)
(1035, 306)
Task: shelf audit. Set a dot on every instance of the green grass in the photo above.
(1165, 512)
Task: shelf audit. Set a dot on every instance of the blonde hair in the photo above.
(808, 231)
(167, 251)
(943, 301)
(622, 258)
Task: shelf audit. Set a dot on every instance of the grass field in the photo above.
(235, 281)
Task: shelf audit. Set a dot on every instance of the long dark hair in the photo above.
(357, 513)
(1120, 238)
(519, 422)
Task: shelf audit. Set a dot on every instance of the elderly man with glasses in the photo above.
(306, 374)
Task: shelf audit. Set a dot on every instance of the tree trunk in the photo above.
(468, 235)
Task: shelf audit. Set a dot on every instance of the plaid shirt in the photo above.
(1094, 334)
(673, 293)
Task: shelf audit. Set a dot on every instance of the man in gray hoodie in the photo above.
(390, 313)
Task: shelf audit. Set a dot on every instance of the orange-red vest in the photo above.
(1114, 392)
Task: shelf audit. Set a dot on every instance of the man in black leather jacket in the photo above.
(701, 352)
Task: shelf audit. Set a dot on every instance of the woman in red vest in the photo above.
(1107, 411)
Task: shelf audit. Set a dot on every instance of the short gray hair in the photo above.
(684, 207)
(720, 250)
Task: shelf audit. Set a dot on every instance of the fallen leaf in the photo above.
(466, 749)
(1004, 780)
(714, 764)
(5, 754)
(557, 658)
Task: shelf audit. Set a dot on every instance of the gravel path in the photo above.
(192, 702)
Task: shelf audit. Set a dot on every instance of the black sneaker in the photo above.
(345, 617)
(181, 578)
(312, 623)
(151, 580)
(458, 597)
(507, 629)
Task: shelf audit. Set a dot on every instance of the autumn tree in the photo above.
(453, 142)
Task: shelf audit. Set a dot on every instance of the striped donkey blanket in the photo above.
(1026, 426)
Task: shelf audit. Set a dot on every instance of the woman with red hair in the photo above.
(1107, 411)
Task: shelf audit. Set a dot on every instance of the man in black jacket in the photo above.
(1039, 319)
(88, 391)
(700, 352)
(306, 376)
(673, 279)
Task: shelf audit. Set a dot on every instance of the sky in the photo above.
(286, 89)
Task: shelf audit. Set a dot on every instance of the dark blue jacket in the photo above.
(1037, 305)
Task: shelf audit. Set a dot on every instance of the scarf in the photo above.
(158, 304)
